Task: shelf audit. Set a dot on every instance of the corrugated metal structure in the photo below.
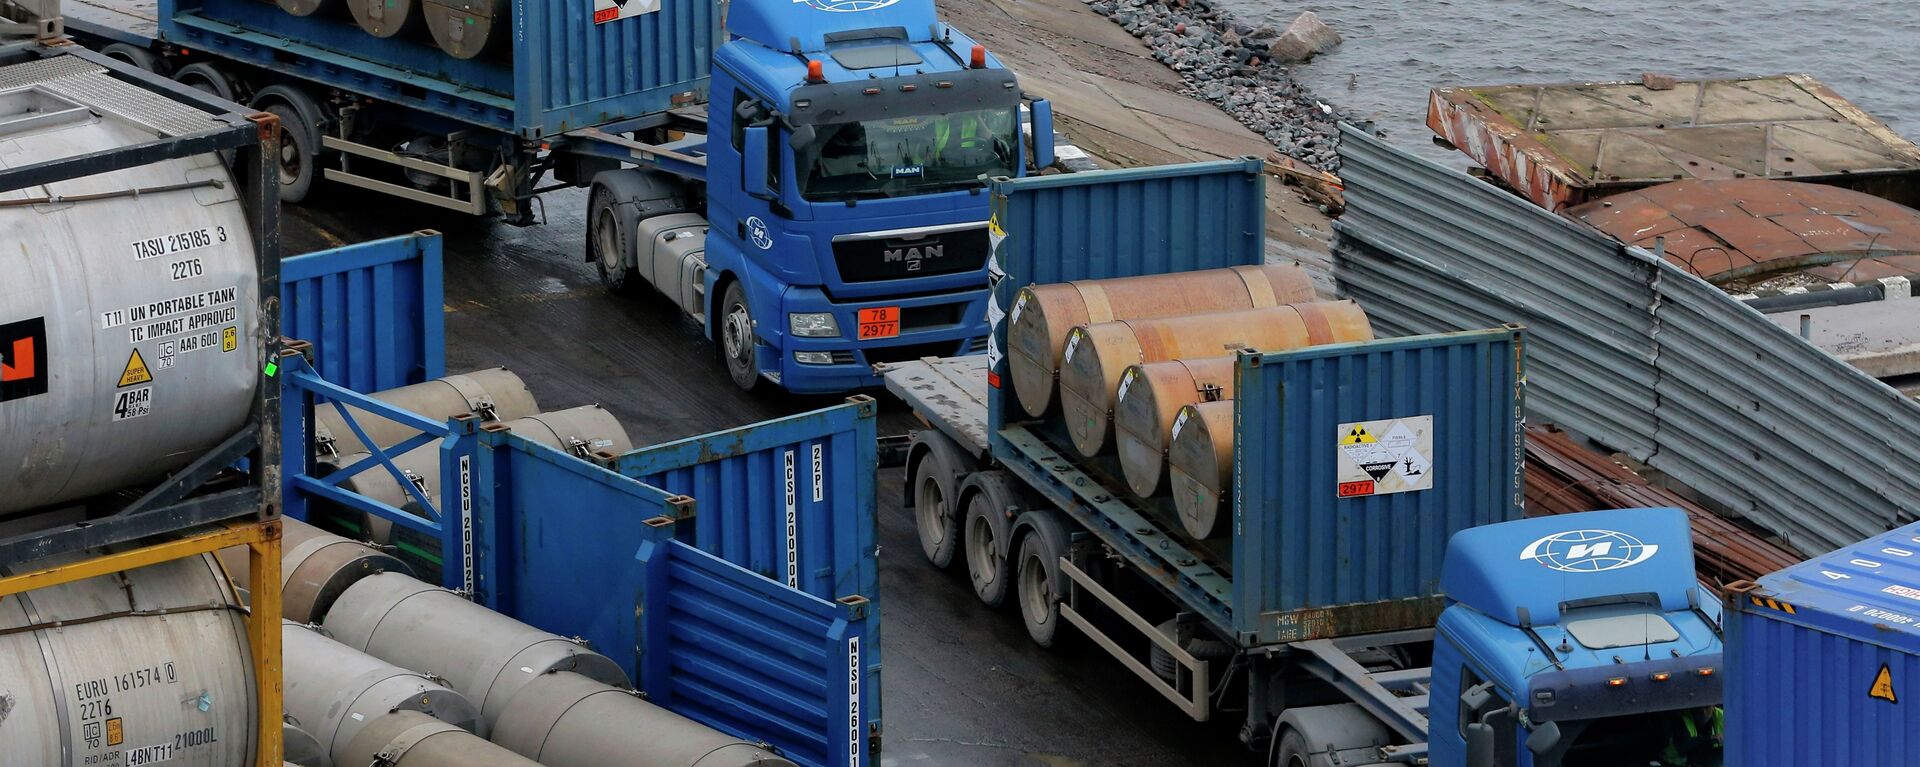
(366, 310)
(1632, 351)
(572, 547)
(1824, 658)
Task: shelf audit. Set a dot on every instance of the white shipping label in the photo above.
(175, 243)
(1019, 305)
(819, 475)
(1073, 343)
(1179, 422)
(793, 525)
(132, 403)
(1126, 382)
(1387, 456)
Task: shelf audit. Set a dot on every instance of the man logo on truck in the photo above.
(846, 6)
(1589, 551)
(913, 255)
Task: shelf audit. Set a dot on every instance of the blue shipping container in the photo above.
(1824, 656)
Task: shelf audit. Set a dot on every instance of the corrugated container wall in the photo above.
(1824, 656)
(1314, 556)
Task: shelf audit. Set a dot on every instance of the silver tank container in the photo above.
(486, 656)
(410, 739)
(316, 567)
(298, 747)
(333, 690)
(129, 333)
(564, 719)
(147, 666)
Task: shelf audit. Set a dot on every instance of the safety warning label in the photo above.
(1883, 685)
(615, 10)
(136, 371)
(1380, 457)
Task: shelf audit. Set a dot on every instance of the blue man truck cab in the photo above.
(841, 219)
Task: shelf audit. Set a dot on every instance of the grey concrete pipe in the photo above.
(332, 690)
(494, 394)
(567, 720)
(315, 568)
(413, 739)
(486, 656)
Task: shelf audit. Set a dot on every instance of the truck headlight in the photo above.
(813, 358)
(812, 325)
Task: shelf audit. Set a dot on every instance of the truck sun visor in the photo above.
(931, 94)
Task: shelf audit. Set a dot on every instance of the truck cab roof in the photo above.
(855, 41)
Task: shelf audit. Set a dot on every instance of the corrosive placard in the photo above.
(1380, 457)
(615, 10)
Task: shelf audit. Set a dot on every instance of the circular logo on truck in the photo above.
(846, 6)
(1589, 551)
(757, 232)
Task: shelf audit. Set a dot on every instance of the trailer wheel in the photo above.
(935, 515)
(989, 503)
(1291, 750)
(137, 56)
(1038, 584)
(206, 78)
(296, 159)
(609, 237)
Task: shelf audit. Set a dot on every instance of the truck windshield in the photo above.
(1688, 737)
(897, 156)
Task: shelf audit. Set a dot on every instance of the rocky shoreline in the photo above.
(1232, 65)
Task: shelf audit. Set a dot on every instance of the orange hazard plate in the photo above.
(881, 322)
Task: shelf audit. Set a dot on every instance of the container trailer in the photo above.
(827, 215)
(1413, 621)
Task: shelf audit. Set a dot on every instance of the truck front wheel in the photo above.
(738, 348)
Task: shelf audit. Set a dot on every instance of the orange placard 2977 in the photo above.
(879, 322)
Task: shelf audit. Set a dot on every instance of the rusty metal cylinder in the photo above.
(413, 739)
(1148, 399)
(316, 567)
(486, 656)
(564, 719)
(1096, 356)
(387, 18)
(333, 690)
(1043, 315)
(495, 394)
(1200, 465)
(467, 29)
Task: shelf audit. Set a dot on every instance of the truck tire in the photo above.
(297, 154)
(934, 496)
(1291, 750)
(610, 233)
(1038, 584)
(986, 533)
(137, 56)
(206, 78)
(738, 347)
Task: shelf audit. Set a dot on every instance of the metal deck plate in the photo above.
(90, 85)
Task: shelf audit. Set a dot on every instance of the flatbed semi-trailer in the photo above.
(1426, 626)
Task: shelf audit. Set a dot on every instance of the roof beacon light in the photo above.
(815, 72)
(979, 56)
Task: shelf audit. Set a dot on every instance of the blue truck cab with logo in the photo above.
(841, 219)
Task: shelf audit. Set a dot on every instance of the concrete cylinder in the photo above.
(1200, 465)
(486, 656)
(387, 18)
(1096, 356)
(315, 568)
(495, 394)
(1148, 399)
(150, 664)
(333, 690)
(467, 29)
(567, 720)
(1043, 315)
(412, 739)
(299, 747)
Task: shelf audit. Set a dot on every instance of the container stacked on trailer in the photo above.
(464, 29)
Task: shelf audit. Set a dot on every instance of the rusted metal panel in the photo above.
(1561, 145)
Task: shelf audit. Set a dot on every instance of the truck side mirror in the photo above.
(1042, 112)
(1545, 736)
(1479, 745)
(753, 163)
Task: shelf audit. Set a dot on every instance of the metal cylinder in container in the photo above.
(1147, 401)
(150, 665)
(466, 29)
(484, 655)
(299, 747)
(563, 719)
(1200, 465)
(1043, 315)
(413, 739)
(316, 567)
(130, 340)
(1096, 356)
(495, 394)
(333, 690)
(306, 7)
(387, 18)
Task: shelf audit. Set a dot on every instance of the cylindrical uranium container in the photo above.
(333, 690)
(413, 739)
(147, 666)
(1200, 465)
(306, 7)
(467, 29)
(299, 747)
(1148, 399)
(387, 18)
(484, 655)
(1096, 356)
(1043, 315)
(316, 567)
(495, 394)
(567, 720)
(130, 340)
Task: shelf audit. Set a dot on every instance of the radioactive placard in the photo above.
(1883, 685)
(1381, 457)
(614, 10)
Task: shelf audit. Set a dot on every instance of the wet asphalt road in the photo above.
(963, 686)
